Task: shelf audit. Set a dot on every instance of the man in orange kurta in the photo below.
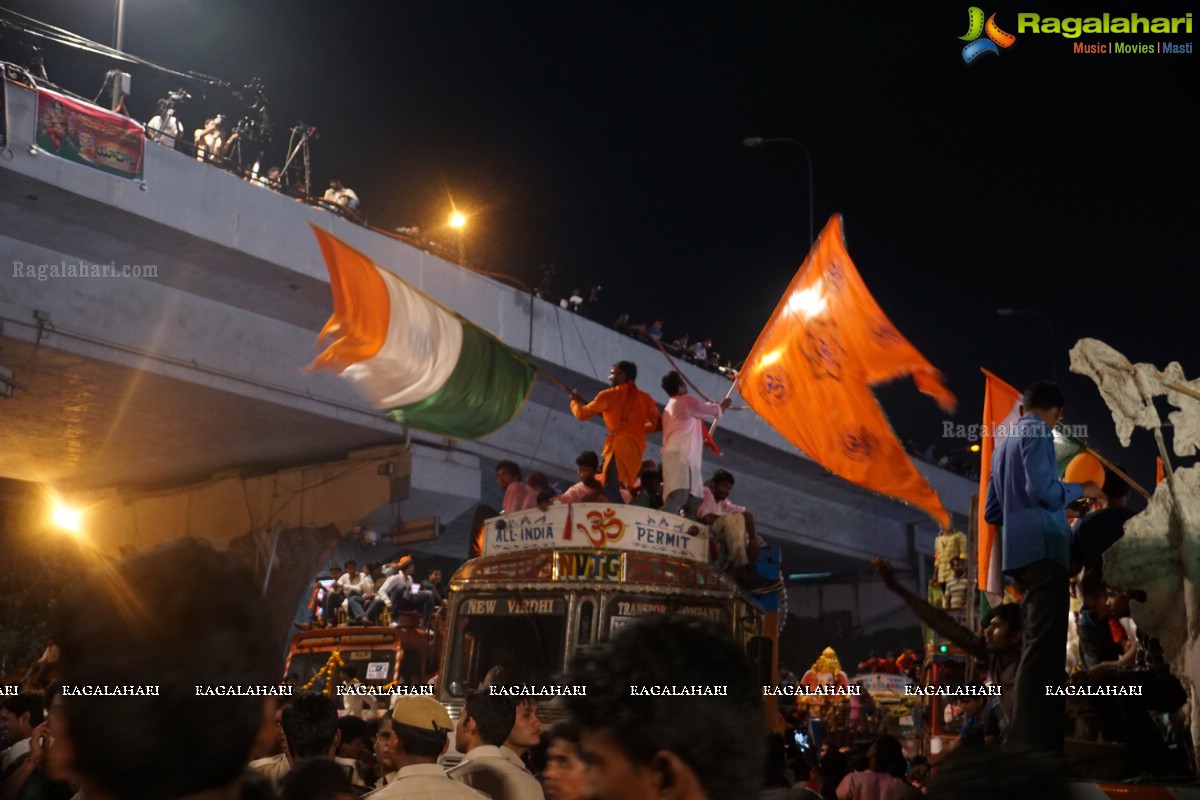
(629, 414)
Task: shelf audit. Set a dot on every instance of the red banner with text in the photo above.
(90, 135)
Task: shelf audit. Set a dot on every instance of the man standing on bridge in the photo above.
(629, 414)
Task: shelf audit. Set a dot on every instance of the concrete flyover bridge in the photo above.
(169, 390)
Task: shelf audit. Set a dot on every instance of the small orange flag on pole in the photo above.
(810, 374)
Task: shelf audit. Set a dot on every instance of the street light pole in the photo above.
(758, 141)
(1028, 312)
(118, 43)
(119, 25)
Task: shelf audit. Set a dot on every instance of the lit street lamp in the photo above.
(458, 221)
(758, 141)
(1026, 312)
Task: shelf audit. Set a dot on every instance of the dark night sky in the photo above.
(606, 139)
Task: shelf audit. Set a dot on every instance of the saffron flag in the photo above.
(407, 354)
(810, 374)
(1001, 404)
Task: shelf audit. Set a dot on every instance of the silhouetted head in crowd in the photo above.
(174, 617)
(310, 726)
(640, 746)
(886, 755)
(352, 737)
(1115, 489)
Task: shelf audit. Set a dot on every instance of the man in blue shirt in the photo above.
(1026, 496)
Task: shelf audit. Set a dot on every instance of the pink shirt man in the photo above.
(518, 497)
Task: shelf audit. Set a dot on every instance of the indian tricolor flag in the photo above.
(412, 357)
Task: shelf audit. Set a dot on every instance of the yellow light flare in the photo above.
(770, 358)
(974, 448)
(458, 220)
(67, 518)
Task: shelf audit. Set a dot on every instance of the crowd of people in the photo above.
(621, 474)
(363, 597)
(1069, 629)
(218, 143)
(97, 734)
(613, 742)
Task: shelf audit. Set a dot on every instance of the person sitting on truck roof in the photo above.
(734, 525)
(588, 489)
(485, 723)
(416, 598)
(517, 496)
(650, 489)
(133, 623)
(541, 485)
(391, 592)
(433, 585)
(357, 588)
(642, 746)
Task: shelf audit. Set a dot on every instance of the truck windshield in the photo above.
(506, 640)
(373, 666)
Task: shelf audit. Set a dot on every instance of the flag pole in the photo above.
(732, 386)
(1118, 472)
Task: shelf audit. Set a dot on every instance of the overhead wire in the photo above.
(34, 27)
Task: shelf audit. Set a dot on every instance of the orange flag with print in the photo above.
(811, 371)
(1001, 404)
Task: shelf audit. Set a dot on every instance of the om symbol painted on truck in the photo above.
(604, 526)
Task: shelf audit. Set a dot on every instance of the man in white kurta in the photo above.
(683, 445)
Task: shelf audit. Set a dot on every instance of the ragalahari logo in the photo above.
(976, 27)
